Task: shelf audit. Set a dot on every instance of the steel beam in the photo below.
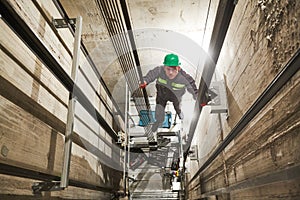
(27, 173)
(288, 174)
(223, 18)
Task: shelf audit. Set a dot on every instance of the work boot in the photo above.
(155, 127)
(181, 115)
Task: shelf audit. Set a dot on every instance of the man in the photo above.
(171, 84)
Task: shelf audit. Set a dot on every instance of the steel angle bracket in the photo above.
(193, 153)
(63, 23)
(218, 96)
(39, 187)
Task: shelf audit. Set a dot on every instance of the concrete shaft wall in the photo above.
(33, 113)
(262, 162)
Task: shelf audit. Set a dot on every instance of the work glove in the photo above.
(203, 104)
(143, 85)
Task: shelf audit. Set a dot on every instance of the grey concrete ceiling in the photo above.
(159, 27)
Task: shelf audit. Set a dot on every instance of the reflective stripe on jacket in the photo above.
(177, 86)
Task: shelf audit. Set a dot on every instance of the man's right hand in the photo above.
(143, 85)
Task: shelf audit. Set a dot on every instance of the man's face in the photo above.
(171, 72)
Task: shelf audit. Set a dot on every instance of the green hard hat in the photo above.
(171, 60)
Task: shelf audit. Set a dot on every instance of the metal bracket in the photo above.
(193, 152)
(131, 178)
(71, 107)
(63, 23)
(218, 96)
(39, 187)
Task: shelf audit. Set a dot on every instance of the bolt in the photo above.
(4, 151)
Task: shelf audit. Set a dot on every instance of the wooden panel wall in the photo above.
(33, 106)
(262, 37)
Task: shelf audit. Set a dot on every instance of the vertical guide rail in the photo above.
(181, 161)
(71, 107)
(128, 140)
(126, 135)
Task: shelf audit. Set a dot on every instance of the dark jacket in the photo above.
(176, 86)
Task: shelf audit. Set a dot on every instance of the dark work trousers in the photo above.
(161, 102)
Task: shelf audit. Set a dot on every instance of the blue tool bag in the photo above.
(148, 117)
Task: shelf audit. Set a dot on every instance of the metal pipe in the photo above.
(126, 132)
(127, 144)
